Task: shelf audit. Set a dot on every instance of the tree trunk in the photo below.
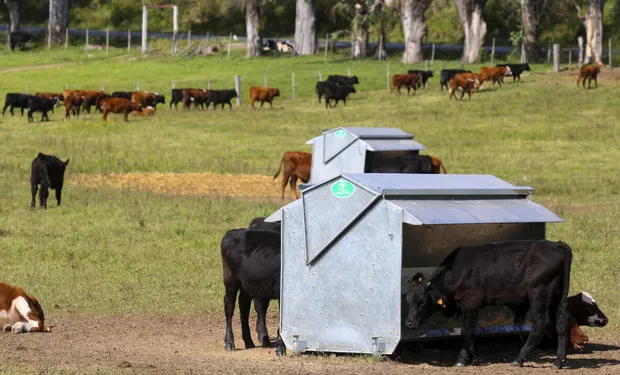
(251, 26)
(305, 28)
(13, 6)
(414, 27)
(474, 27)
(594, 32)
(58, 20)
(530, 23)
(360, 42)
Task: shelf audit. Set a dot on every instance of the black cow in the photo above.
(156, 100)
(447, 74)
(176, 98)
(122, 94)
(251, 264)
(522, 275)
(425, 74)
(19, 38)
(516, 70)
(49, 172)
(43, 105)
(15, 101)
(220, 97)
(321, 86)
(343, 80)
(337, 93)
(404, 164)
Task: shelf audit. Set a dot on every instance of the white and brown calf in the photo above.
(19, 311)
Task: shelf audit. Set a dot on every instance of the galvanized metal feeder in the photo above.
(354, 149)
(351, 244)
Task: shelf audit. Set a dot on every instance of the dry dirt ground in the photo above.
(155, 344)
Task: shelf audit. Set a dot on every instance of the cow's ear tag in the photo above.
(440, 301)
(420, 280)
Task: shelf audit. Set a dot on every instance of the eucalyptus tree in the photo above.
(474, 28)
(414, 28)
(13, 7)
(305, 28)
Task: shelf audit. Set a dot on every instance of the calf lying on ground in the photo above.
(263, 94)
(15, 101)
(251, 265)
(21, 312)
(49, 172)
(297, 165)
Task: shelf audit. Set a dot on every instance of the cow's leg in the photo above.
(261, 306)
(293, 185)
(595, 82)
(30, 117)
(261, 104)
(21, 108)
(540, 320)
(58, 194)
(280, 347)
(271, 104)
(466, 356)
(229, 310)
(326, 102)
(252, 104)
(244, 313)
(4, 109)
(43, 194)
(562, 319)
(230, 105)
(45, 116)
(105, 115)
(286, 176)
(33, 188)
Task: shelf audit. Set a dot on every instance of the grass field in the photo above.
(109, 251)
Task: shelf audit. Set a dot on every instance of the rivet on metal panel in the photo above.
(361, 314)
(326, 325)
(354, 327)
(366, 301)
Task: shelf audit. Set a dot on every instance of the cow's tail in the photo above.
(443, 168)
(279, 168)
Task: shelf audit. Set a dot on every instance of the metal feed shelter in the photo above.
(351, 244)
(352, 150)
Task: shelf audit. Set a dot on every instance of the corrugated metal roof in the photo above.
(393, 145)
(377, 133)
(475, 211)
(435, 184)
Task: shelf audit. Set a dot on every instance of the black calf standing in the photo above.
(221, 97)
(15, 101)
(43, 105)
(49, 172)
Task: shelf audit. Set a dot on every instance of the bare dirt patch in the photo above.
(195, 344)
(33, 67)
(196, 184)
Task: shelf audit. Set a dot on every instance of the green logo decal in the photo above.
(342, 189)
(340, 133)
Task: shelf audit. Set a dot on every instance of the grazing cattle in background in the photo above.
(297, 165)
(198, 96)
(221, 97)
(447, 74)
(92, 98)
(337, 93)
(73, 103)
(515, 70)
(122, 94)
(463, 83)
(407, 164)
(147, 99)
(285, 46)
(410, 81)
(21, 311)
(343, 80)
(269, 45)
(49, 172)
(496, 74)
(43, 105)
(50, 95)
(424, 74)
(589, 72)
(521, 275)
(321, 86)
(119, 105)
(147, 111)
(263, 94)
(15, 101)
(19, 39)
(251, 268)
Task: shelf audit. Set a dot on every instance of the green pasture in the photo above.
(122, 252)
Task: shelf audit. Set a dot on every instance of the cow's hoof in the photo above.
(230, 347)
(265, 342)
(559, 365)
(280, 352)
(18, 327)
(249, 345)
(516, 364)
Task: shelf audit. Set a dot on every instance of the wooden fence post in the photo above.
(238, 88)
(349, 71)
(8, 39)
(433, 54)
(86, 37)
(189, 38)
(320, 74)
(208, 84)
(138, 86)
(107, 41)
(556, 58)
(426, 65)
(144, 28)
(66, 39)
(266, 81)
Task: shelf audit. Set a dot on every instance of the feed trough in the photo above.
(357, 150)
(351, 244)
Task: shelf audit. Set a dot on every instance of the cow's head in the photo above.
(55, 101)
(584, 308)
(423, 302)
(350, 89)
(508, 71)
(475, 83)
(526, 67)
(159, 99)
(354, 80)
(275, 92)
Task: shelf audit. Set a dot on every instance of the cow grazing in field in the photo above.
(343, 80)
(15, 101)
(43, 105)
(197, 96)
(447, 74)
(49, 172)
(73, 104)
(297, 165)
(19, 39)
(522, 275)
(337, 93)
(251, 268)
(147, 111)
(321, 86)
(589, 72)
(410, 81)
(20, 311)
(119, 105)
(263, 94)
(464, 84)
(221, 97)
(516, 70)
(496, 74)
(424, 76)
(122, 94)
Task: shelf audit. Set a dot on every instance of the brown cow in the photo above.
(21, 312)
(50, 95)
(495, 73)
(296, 165)
(119, 105)
(91, 97)
(263, 94)
(589, 72)
(437, 166)
(147, 99)
(73, 103)
(466, 82)
(198, 96)
(408, 80)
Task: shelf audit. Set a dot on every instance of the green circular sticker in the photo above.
(340, 133)
(342, 189)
